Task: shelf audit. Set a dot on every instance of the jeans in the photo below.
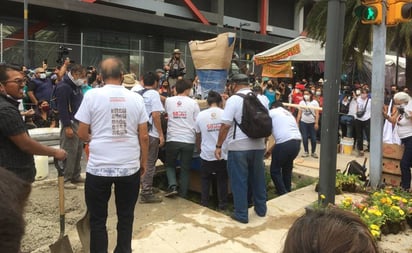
(97, 194)
(308, 130)
(406, 164)
(281, 166)
(173, 150)
(208, 170)
(74, 149)
(360, 127)
(147, 179)
(346, 123)
(242, 167)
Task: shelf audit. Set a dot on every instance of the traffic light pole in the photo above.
(378, 86)
(329, 131)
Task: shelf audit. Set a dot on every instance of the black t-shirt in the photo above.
(11, 156)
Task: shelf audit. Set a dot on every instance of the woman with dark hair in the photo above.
(308, 120)
(329, 230)
(44, 117)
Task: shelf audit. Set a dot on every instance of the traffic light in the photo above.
(370, 12)
(399, 11)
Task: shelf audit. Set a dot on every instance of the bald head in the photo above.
(112, 71)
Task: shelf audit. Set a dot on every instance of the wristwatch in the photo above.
(218, 146)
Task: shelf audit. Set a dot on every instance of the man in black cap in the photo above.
(245, 155)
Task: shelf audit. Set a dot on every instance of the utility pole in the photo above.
(329, 132)
(25, 31)
(378, 85)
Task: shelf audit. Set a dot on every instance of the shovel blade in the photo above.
(61, 246)
(83, 229)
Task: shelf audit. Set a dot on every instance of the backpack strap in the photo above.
(237, 124)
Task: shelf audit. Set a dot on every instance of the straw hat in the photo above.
(129, 81)
(176, 51)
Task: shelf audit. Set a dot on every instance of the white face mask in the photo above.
(318, 93)
(42, 76)
(306, 97)
(79, 82)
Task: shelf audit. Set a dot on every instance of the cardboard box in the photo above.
(390, 179)
(394, 151)
(391, 166)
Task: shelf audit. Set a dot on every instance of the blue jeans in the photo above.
(406, 164)
(97, 194)
(281, 166)
(308, 130)
(245, 166)
(175, 149)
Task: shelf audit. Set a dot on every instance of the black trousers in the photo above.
(208, 170)
(97, 193)
(361, 126)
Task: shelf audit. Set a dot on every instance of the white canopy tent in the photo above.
(306, 49)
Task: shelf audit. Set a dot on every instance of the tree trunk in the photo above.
(408, 72)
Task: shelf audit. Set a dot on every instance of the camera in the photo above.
(62, 54)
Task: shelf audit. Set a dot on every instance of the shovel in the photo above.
(62, 245)
(83, 229)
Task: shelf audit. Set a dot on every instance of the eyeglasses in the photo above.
(19, 81)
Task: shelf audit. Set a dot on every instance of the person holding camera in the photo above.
(362, 119)
(176, 68)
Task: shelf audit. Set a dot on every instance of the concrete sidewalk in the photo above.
(194, 228)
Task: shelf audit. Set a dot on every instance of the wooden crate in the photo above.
(393, 151)
(390, 179)
(391, 166)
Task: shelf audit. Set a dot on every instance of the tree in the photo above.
(357, 36)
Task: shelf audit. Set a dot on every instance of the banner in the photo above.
(283, 69)
(284, 54)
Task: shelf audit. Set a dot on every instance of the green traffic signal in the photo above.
(369, 13)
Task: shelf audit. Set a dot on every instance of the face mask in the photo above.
(42, 76)
(358, 92)
(79, 82)
(306, 97)
(45, 108)
(313, 91)
(318, 93)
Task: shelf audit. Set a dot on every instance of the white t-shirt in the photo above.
(182, 112)
(284, 127)
(113, 113)
(361, 106)
(153, 104)
(404, 122)
(208, 123)
(308, 115)
(233, 110)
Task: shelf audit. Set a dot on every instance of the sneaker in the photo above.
(68, 185)
(149, 198)
(314, 155)
(171, 192)
(306, 154)
(233, 217)
(79, 180)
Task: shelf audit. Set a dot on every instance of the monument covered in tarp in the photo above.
(212, 59)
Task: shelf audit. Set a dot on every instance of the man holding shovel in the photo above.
(117, 121)
(16, 146)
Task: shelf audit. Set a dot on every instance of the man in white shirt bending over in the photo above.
(180, 142)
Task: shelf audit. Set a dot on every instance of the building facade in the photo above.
(141, 32)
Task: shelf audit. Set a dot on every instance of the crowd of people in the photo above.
(121, 119)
